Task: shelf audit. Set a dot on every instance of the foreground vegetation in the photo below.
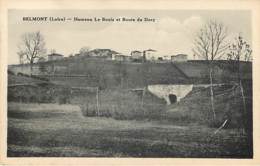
(61, 130)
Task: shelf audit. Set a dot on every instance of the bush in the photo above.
(33, 99)
(122, 105)
(10, 72)
(39, 78)
(88, 110)
(40, 93)
(22, 74)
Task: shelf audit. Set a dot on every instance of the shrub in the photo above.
(88, 110)
(39, 78)
(122, 104)
(10, 72)
(22, 74)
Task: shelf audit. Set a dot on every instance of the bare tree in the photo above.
(210, 44)
(32, 47)
(240, 50)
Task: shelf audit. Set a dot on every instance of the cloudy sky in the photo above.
(171, 33)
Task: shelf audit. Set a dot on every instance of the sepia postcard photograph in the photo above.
(129, 83)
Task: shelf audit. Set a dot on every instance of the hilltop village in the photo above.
(108, 54)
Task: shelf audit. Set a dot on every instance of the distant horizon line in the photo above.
(169, 61)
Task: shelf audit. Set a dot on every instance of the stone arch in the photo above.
(172, 98)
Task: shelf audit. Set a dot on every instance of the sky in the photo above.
(171, 33)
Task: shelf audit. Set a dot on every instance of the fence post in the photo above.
(143, 101)
(143, 97)
(97, 98)
(38, 96)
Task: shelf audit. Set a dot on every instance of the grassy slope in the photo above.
(196, 107)
(107, 74)
(51, 130)
(224, 71)
(41, 91)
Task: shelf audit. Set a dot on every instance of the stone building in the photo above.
(179, 58)
(54, 57)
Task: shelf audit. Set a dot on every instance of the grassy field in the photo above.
(61, 130)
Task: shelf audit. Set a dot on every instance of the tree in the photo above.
(84, 50)
(32, 47)
(240, 50)
(210, 44)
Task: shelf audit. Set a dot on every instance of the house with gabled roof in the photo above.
(136, 55)
(150, 54)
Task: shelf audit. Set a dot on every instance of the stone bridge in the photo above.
(170, 93)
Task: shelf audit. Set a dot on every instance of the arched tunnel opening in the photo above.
(173, 98)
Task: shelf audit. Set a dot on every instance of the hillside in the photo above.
(97, 71)
(195, 107)
(106, 74)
